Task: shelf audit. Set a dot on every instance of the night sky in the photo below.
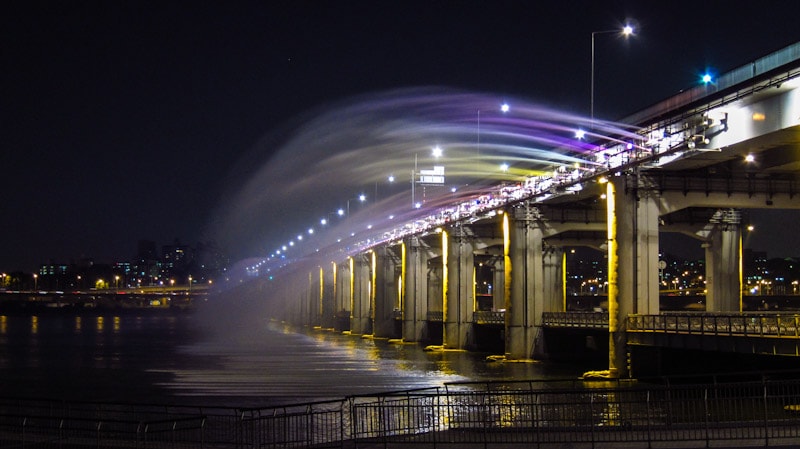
(133, 120)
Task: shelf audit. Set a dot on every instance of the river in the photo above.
(168, 357)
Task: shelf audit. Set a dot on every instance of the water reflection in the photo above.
(162, 358)
(277, 365)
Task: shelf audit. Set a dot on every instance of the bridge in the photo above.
(692, 164)
(143, 297)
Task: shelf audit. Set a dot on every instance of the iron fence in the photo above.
(592, 320)
(571, 413)
(771, 325)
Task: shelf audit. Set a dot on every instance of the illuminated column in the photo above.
(459, 299)
(387, 291)
(327, 306)
(723, 264)
(498, 285)
(524, 286)
(415, 289)
(308, 317)
(637, 240)
(632, 224)
(360, 294)
(342, 295)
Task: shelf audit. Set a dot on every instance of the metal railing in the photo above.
(489, 317)
(482, 414)
(733, 325)
(592, 320)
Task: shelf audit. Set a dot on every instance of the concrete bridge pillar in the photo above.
(326, 302)
(387, 291)
(524, 283)
(415, 289)
(498, 285)
(633, 259)
(723, 263)
(311, 302)
(459, 290)
(342, 295)
(360, 294)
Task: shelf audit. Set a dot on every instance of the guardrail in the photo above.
(592, 320)
(732, 325)
(488, 414)
(489, 317)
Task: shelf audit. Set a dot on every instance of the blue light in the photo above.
(706, 78)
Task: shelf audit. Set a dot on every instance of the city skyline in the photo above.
(145, 118)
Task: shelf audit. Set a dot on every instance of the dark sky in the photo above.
(127, 120)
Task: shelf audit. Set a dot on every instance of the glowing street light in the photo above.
(626, 31)
(361, 197)
(436, 152)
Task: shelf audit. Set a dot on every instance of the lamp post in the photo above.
(625, 31)
(360, 197)
(436, 153)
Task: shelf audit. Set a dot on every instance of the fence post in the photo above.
(649, 418)
(705, 413)
(591, 416)
(766, 410)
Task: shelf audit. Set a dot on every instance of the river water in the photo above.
(167, 357)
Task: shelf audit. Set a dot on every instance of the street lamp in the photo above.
(436, 153)
(361, 197)
(625, 31)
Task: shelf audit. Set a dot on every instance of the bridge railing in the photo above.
(734, 325)
(489, 317)
(594, 320)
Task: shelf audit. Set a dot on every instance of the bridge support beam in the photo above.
(341, 296)
(326, 305)
(723, 264)
(360, 295)
(498, 285)
(415, 289)
(459, 292)
(523, 254)
(633, 260)
(387, 291)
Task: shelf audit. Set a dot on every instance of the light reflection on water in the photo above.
(280, 365)
(164, 358)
